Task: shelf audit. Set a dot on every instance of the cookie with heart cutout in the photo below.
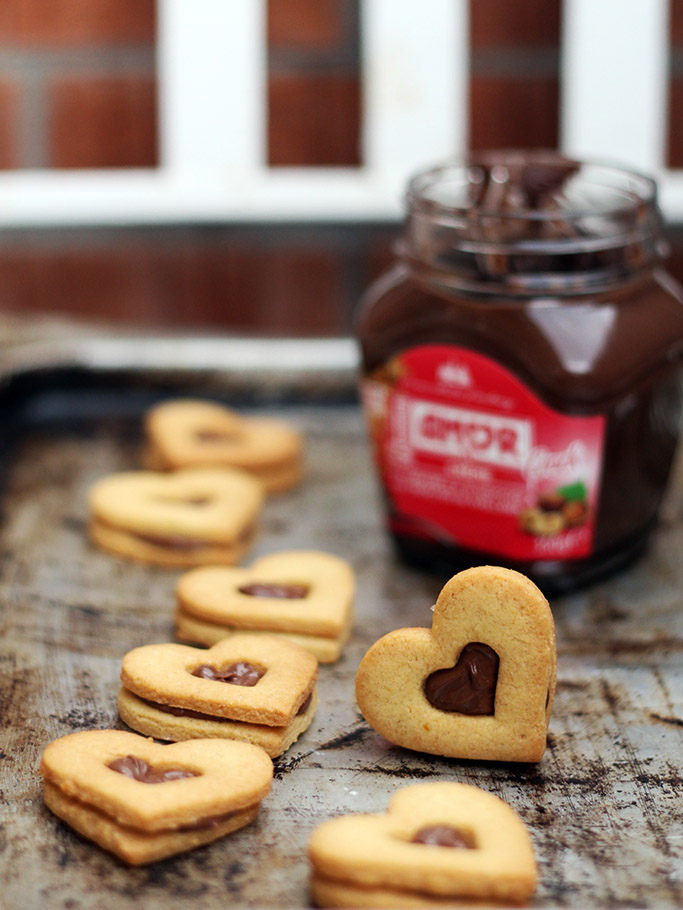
(188, 518)
(144, 801)
(479, 684)
(254, 688)
(188, 432)
(305, 596)
(438, 844)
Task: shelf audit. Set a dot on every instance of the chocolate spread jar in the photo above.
(521, 368)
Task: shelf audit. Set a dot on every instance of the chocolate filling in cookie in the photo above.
(179, 542)
(274, 589)
(237, 674)
(198, 715)
(211, 821)
(444, 836)
(195, 501)
(138, 769)
(470, 686)
(217, 436)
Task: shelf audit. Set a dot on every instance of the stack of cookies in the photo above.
(305, 596)
(197, 503)
(143, 801)
(440, 844)
(186, 433)
(252, 688)
(188, 518)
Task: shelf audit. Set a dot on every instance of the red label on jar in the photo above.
(472, 458)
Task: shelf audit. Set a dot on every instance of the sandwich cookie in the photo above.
(257, 689)
(305, 596)
(188, 518)
(187, 433)
(144, 801)
(440, 844)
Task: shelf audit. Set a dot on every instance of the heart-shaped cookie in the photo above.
(306, 594)
(437, 843)
(254, 688)
(142, 800)
(191, 433)
(187, 518)
(479, 684)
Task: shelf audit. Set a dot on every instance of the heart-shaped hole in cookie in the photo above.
(240, 673)
(196, 501)
(279, 590)
(138, 769)
(216, 436)
(444, 836)
(470, 686)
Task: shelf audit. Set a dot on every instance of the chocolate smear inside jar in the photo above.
(138, 769)
(470, 686)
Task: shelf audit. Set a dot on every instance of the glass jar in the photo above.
(521, 368)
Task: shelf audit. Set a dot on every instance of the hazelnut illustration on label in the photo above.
(479, 684)
(557, 510)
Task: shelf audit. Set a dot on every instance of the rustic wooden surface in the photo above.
(603, 806)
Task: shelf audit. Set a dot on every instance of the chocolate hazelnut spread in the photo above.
(199, 715)
(138, 769)
(190, 544)
(215, 436)
(521, 366)
(237, 674)
(173, 542)
(211, 821)
(183, 712)
(443, 836)
(279, 590)
(470, 686)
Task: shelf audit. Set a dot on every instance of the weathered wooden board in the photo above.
(604, 806)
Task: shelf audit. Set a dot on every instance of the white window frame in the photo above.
(212, 116)
(415, 65)
(614, 88)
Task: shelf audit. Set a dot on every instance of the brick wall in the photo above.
(77, 89)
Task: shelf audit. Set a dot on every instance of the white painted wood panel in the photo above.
(614, 88)
(614, 80)
(212, 78)
(212, 74)
(415, 62)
